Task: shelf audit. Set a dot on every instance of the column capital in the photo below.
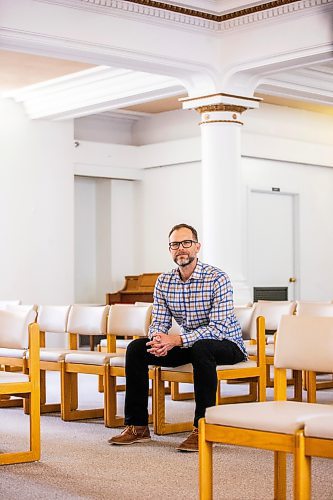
(220, 102)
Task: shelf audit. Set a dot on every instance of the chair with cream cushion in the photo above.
(122, 343)
(305, 308)
(315, 440)
(52, 320)
(13, 358)
(253, 371)
(272, 425)
(18, 333)
(272, 311)
(83, 320)
(123, 320)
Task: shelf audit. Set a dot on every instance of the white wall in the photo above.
(85, 240)
(126, 230)
(168, 196)
(103, 129)
(314, 185)
(36, 207)
(107, 239)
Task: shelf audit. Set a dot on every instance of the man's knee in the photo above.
(200, 350)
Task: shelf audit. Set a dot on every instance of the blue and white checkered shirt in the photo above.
(202, 306)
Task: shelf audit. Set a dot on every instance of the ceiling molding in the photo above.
(93, 91)
(185, 18)
(205, 14)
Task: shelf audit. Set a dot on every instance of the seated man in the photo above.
(200, 299)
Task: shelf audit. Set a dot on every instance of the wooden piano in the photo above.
(136, 289)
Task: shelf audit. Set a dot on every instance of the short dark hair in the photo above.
(181, 226)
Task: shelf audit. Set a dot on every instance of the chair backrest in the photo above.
(14, 328)
(314, 308)
(129, 319)
(87, 320)
(305, 343)
(272, 312)
(53, 318)
(244, 315)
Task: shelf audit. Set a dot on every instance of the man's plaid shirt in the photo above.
(202, 306)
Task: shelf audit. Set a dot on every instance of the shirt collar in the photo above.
(196, 275)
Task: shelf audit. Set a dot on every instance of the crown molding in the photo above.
(185, 18)
(93, 91)
(311, 83)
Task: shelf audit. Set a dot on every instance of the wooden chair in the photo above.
(14, 359)
(52, 320)
(272, 311)
(14, 328)
(253, 372)
(123, 320)
(272, 425)
(315, 440)
(315, 309)
(83, 320)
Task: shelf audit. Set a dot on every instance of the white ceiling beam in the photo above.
(93, 91)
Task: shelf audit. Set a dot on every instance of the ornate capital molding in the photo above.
(220, 107)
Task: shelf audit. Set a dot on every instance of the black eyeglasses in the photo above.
(174, 245)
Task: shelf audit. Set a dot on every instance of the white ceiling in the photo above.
(308, 87)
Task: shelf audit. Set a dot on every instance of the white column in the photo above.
(224, 227)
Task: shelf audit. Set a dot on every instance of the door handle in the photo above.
(292, 280)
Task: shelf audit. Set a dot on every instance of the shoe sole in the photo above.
(141, 440)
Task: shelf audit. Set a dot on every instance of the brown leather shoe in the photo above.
(132, 434)
(191, 443)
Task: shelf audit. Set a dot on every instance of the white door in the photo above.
(272, 248)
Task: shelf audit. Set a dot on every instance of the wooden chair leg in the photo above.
(311, 387)
(100, 384)
(158, 402)
(205, 464)
(110, 395)
(280, 475)
(176, 395)
(302, 469)
(262, 387)
(65, 392)
(298, 381)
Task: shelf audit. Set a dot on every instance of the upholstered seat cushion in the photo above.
(252, 350)
(52, 353)
(120, 361)
(12, 353)
(89, 358)
(13, 378)
(319, 427)
(188, 368)
(285, 417)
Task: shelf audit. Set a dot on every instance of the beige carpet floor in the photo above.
(78, 463)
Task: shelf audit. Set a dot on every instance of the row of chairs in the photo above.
(302, 429)
(122, 320)
(134, 321)
(119, 320)
(79, 320)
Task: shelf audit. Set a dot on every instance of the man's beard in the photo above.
(184, 262)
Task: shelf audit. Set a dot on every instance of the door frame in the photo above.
(295, 197)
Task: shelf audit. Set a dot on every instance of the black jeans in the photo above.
(204, 355)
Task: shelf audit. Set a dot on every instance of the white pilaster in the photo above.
(223, 235)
